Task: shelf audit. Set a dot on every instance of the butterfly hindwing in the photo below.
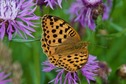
(74, 61)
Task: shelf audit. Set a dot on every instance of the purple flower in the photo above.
(87, 70)
(53, 3)
(3, 78)
(84, 11)
(16, 16)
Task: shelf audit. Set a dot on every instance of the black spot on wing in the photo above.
(76, 58)
(54, 41)
(48, 31)
(69, 56)
(61, 32)
(56, 19)
(65, 36)
(54, 35)
(49, 41)
(44, 45)
(49, 16)
(53, 31)
(51, 23)
(60, 40)
(69, 60)
(57, 27)
(48, 36)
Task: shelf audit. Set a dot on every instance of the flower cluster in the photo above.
(86, 11)
(17, 16)
(87, 70)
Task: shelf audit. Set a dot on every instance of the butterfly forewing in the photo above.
(58, 42)
(56, 31)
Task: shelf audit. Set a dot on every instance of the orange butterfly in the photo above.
(62, 44)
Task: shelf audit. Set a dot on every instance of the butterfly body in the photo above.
(62, 44)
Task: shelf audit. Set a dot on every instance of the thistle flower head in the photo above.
(86, 11)
(15, 17)
(87, 70)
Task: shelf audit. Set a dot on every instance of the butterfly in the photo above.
(62, 44)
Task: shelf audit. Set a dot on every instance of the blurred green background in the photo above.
(109, 47)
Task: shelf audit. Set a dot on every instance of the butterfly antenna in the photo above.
(101, 46)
